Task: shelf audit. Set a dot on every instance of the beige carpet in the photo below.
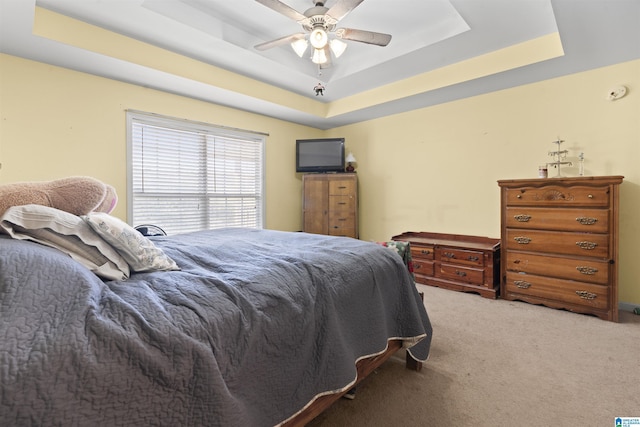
(503, 363)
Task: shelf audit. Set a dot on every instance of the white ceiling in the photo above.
(428, 35)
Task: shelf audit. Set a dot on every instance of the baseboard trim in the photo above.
(627, 306)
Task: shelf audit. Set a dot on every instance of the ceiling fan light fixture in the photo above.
(300, 46)
(319, 57)
(319, 25)
(337, 47)
(318, 38)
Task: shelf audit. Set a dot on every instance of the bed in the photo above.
(256, 328)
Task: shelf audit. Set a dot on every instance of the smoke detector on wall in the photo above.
(616, 93)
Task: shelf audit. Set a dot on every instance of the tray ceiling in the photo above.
(440, 51)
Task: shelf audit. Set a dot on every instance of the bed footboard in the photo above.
(364, 368)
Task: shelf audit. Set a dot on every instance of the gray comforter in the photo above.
(254, 326)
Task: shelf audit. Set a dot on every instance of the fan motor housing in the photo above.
(317, 17)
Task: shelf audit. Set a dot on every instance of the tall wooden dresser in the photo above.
(560, 243)
(330, 204)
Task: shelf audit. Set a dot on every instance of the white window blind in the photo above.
(187, 176)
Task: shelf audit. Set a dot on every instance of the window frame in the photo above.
(208, 129)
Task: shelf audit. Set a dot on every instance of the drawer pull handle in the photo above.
(586, 220)
(522, 240)
(587, 270)
(586, 295)
(472, 258)
(449, 255)
(519, 196)
(590, 196)
(425, 251)
(522, 284)
(522, 218)
(587, 245)
(460, 273)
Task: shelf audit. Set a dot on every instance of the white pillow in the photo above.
(68, 233)
(139, 252)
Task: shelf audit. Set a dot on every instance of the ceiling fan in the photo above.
(319, 24)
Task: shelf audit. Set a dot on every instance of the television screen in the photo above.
(320, 155)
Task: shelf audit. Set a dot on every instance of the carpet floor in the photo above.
(504, 363)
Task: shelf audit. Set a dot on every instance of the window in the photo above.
(187, 176)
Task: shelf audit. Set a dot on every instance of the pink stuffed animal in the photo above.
(78, 195)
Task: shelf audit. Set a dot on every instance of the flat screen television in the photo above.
(320, 155)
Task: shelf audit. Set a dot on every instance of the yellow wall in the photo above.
(433, 169)
(436, 169)
(56, 123)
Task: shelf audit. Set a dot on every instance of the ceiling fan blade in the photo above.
(342, 8)
(370, 37)
(279, 42)
(282, 8)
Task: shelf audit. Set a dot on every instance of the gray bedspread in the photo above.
(253, 327)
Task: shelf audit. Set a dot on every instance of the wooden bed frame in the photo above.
(364, 368)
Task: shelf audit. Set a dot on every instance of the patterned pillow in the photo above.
(139, 252)
(68, 233)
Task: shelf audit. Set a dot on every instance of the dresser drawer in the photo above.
(558, 195)
(582, 220)
(460, 274)
(567, 291)
(460, 256)
(579, 244)
(342, 203)
(422, 267)
(422, 251)
(339, 222)
(340, 187)
(592, 271)
(341, 231)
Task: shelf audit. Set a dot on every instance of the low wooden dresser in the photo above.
(456, 262)
(560, 243)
